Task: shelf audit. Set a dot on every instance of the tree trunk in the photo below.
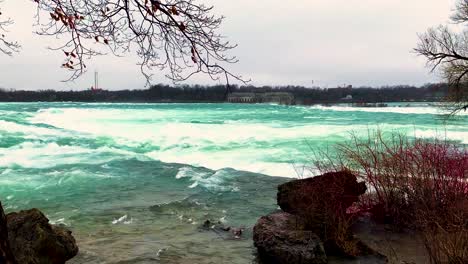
(5, 253)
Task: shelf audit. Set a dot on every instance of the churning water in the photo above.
(136, 181)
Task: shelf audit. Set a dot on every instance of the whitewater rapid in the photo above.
(267, 139)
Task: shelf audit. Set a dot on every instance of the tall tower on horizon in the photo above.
(96, 80)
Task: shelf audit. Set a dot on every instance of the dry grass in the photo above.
(447, 246)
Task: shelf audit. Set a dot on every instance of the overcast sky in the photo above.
(333, 42)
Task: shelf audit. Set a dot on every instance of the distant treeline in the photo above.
(199, 93)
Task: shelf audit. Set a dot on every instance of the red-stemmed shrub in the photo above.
(413, 183)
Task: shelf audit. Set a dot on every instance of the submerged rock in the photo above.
(281, 239)
(34, 241)
(221, 229)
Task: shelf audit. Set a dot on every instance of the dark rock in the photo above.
(6, 257)
(315, 223)
(281, 239)
(322, 202)
(34, 241)
(222, 230)
(331, 191)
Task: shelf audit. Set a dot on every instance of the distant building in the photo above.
(348, 98)
(283, 98)
(278, 97)
(243, 98)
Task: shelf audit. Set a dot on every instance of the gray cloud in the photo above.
(359, 42)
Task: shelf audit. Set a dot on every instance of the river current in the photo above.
(135, 182)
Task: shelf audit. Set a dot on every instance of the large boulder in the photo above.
(34, 241)
(281, 239)
(6, 257)
(317, 196)
(322, 203)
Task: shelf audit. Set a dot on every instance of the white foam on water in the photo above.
(249, 145)
(122, 220)
(157, 129)
(184, 172)
(61, 221)
(219, 180)
(215, 146)
(28, 131)
(390, 109)
(460, 136)
(47, 155)
(6, 171)
(11, 207)
(195, 184)
(243, 160)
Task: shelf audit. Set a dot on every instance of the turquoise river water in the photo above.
(136, 181)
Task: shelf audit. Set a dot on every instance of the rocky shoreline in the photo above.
(314, 223)
(27, 237)
(314, 226)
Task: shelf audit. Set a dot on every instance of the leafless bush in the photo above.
(415, 184)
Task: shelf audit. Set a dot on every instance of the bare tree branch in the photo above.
(447, 51)
(461, 12)
(6, 46)
(177, 36)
